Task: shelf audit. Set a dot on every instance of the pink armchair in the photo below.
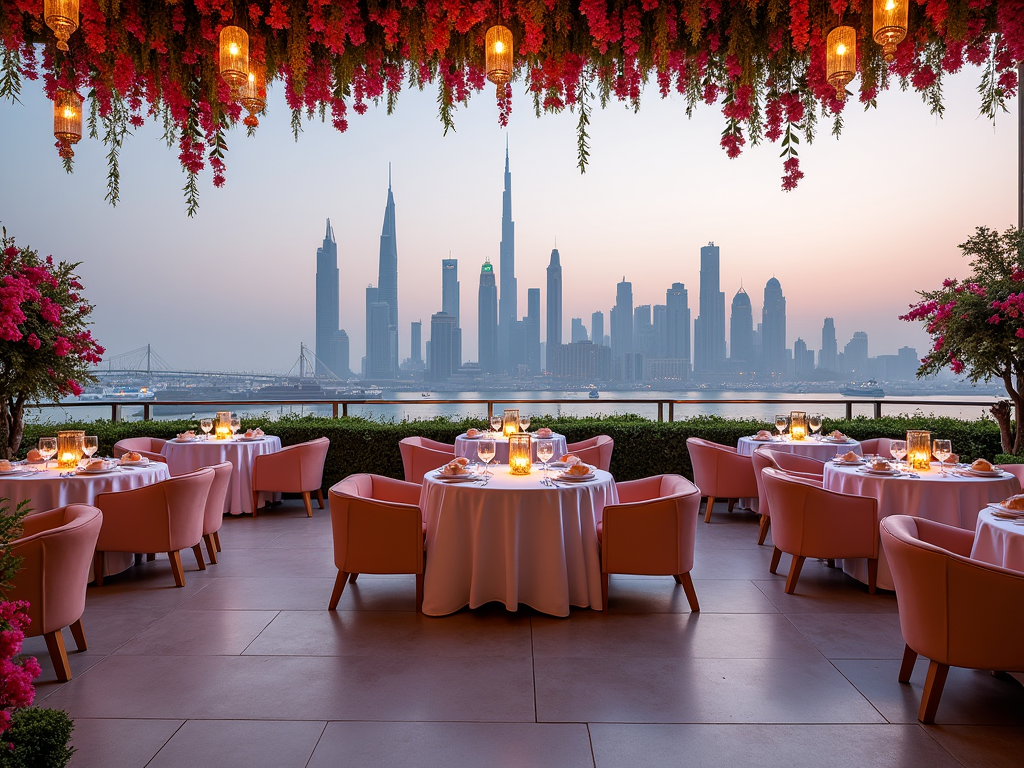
(955, 611)
(378, 528)
(877, 445)
(809, 521)
(420, 455)
(149, 447)
(651, 531)
(596, 451)
(720, 472)
(800, 466)
(56, 549)
(295, 469)
(216, 506)
(163, 517)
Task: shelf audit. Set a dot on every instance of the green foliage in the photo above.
(38, 738)
(10, 529)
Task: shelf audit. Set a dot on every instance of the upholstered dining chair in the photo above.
(1017, 470)
(720, 472)
(954, 611)
(651, 532)
(163, 517)
(378, 528)
(801, 466)
(421, 454)
(879, 446)
(596, 451)
(294, 469)
(148, 447)
(810, 521)
(56, 549)
(216, 506)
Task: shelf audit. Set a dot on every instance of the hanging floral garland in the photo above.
(766, 62)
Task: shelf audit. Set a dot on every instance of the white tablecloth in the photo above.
(952, 500)
(466, 446)
(188, 457)
(515, 541)
(999, 542)
(814, 449)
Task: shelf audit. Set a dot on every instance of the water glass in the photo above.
(545, 450)
(942, 450)
(207, 426)
(47, 449)
(90, 444)
(495, 423)
(898, 449)
(485, 449)
(236, 424)
(814, 422)
(781, 422)
(524, 422)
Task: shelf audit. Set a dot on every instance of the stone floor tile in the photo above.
(248, 743)
(128, 743)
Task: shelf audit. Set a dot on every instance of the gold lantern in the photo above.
(69, 448)
(520, 455)
(222, 431)
(498, 56)
(234, 57)
(253, 94)
(67, 121)
(919, 449)
(890, 27)
(841, 58)
(62, 17)
(510, 422)
(797, 425)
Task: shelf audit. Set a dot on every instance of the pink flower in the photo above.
(995, 319)
(1019, 333)
(33, 341)
(61, 346)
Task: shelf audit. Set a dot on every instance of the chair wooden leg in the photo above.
(691, 593)
(198, 550)
(211, 547)
(830, 562)
(707, 512)
(907, 667)
(352, 578)
(339, 587)
(604, 592)
(58, 655)
(320, 497)
(776, 559)
(138, 558)
(872, 575)
(933, 685)
(97, 568)
(255, 502)
(150, 557)
(732, 503)
(179, 574)
(216, 540)
(78, 632)
(794, 573)
(305, 500)
(762, 529)
(678, 578)
(419, 593)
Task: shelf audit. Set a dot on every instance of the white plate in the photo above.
(1007, 510)
(980, 473)
(844, 463)
(880, 472)
(244, 439)
(761, 439)
(144, 462)
(836, 440)
(98, 471)
(12, 471)
(557, 465)
(185, 440)
(576, 478)
(474, 437)
(455, 478)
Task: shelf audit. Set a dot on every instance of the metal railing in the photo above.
(665, 406)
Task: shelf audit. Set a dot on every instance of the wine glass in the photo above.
(898, 448)
(942, 450)
(781, 422)
(814, 422)
(47, 449)
(207, 425)
(524, 422)
(236, 424)
(90, 444)
(495, 423)
(545, 450)
(485, 452)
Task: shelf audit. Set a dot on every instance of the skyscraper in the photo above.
(856, 354)
(644, 341)
(508, 300)
(442, 353)
(328, 336)
(741, 331)
(416, 342)
(678, 320)
(387, 283)
(597, 328)
(371, 299)
(487, 320)
(450, 302)
(378, 358)
(803, 360)
(532, 330)
(773, 329)
(659, 318)
(554, 327)
(709, 328)
(622, 329)
(828, 357)
(579, 331)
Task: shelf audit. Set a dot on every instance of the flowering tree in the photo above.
(977, 324)
(16, 676)
(46, 349)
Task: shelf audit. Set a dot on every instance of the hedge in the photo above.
(642, 447)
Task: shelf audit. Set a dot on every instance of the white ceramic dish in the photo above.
(143, 462)
(106, 471)
(576, 478)
(455, 478)
(980, 473)
(1017, 513)
(880, 472)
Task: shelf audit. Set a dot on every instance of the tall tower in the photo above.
(487, 319)
(678, 334)
(327, 301)
(554, 328)
(741, 331)
(387, 276)
(773, 329)
(622, 329)
(828, 358)
(450, 303)
(508, 300)
(709, 328)
(597, 328)
(532, 329)
(416, 342)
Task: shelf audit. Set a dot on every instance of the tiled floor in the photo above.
(246, 667)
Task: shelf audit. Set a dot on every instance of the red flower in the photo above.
(33, 341)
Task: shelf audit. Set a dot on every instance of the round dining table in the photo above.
(513, 540)
(190, 455)
(466, 446)
(998, 541)
(953, 499)
(819, 449)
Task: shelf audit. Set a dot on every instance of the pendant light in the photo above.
(62, 17)
(841, 58)
(890, 27)
(67, 121)
(234, 57)
(253, 94)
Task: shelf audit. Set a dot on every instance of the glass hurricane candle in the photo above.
(520, 456)
(223, 429)
(69, 448)
(797, 425)
(919, 449)
(510, 422)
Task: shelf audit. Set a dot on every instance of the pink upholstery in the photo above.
(56, 549)
(720, 472)
(295, 469)
(378, 528)
(420, 455)
(955, 611)
(809, 521)
(216, 506)
(163, 517)
(596, 451)
(800, 466)
(879, 446)
(1017, 470)
(147, 446)
(651, 531)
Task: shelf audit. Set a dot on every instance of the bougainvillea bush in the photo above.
(46, 347)
(763, 62)
(977, 324)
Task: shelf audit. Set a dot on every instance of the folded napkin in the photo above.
(96, 464)
(570, 459)
(258, 432)
(544, 432)
(579, 469)
(763, 434)
(848, 456)
(473, 432)
(456, 467)
(835, 434)
(250, 433)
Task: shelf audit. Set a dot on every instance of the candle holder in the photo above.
(520, 454)
(222, 430)
(919, 449)
(69, 448)
(797, 425)
(510, 422)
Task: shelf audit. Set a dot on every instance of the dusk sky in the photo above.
(878, 215)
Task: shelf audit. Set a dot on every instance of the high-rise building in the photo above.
(622, 328)
(387, 278)
(659, 319)
(678, 323)
(331, 358)
(378, 358)
(855, 354)
(644, 340)
(508, 299)
(532, 331)
(487, 320)
(579, 331)
(442, 353)
(803, 360)
(581, 361)
(341, 354)
(554, 326)
(597, 328)
(416, 342)
(773, 329)
(450, 302)
(709, 327)
(371, 299)
(828, 357)
(741, 331)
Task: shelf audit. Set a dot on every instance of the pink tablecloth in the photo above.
(188, 457)
(465, 446)
(952, 500)
(814, 449)
(515, 541)
(999, 542)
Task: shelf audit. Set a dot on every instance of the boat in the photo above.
(594, 394)
(426, 394)
(867, 388)
(120, 395)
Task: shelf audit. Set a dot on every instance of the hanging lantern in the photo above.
(67, 121)
(841, 58)
(62, 17)
(234, 57)
(498, 56)
(890, 25)
(253, 95)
